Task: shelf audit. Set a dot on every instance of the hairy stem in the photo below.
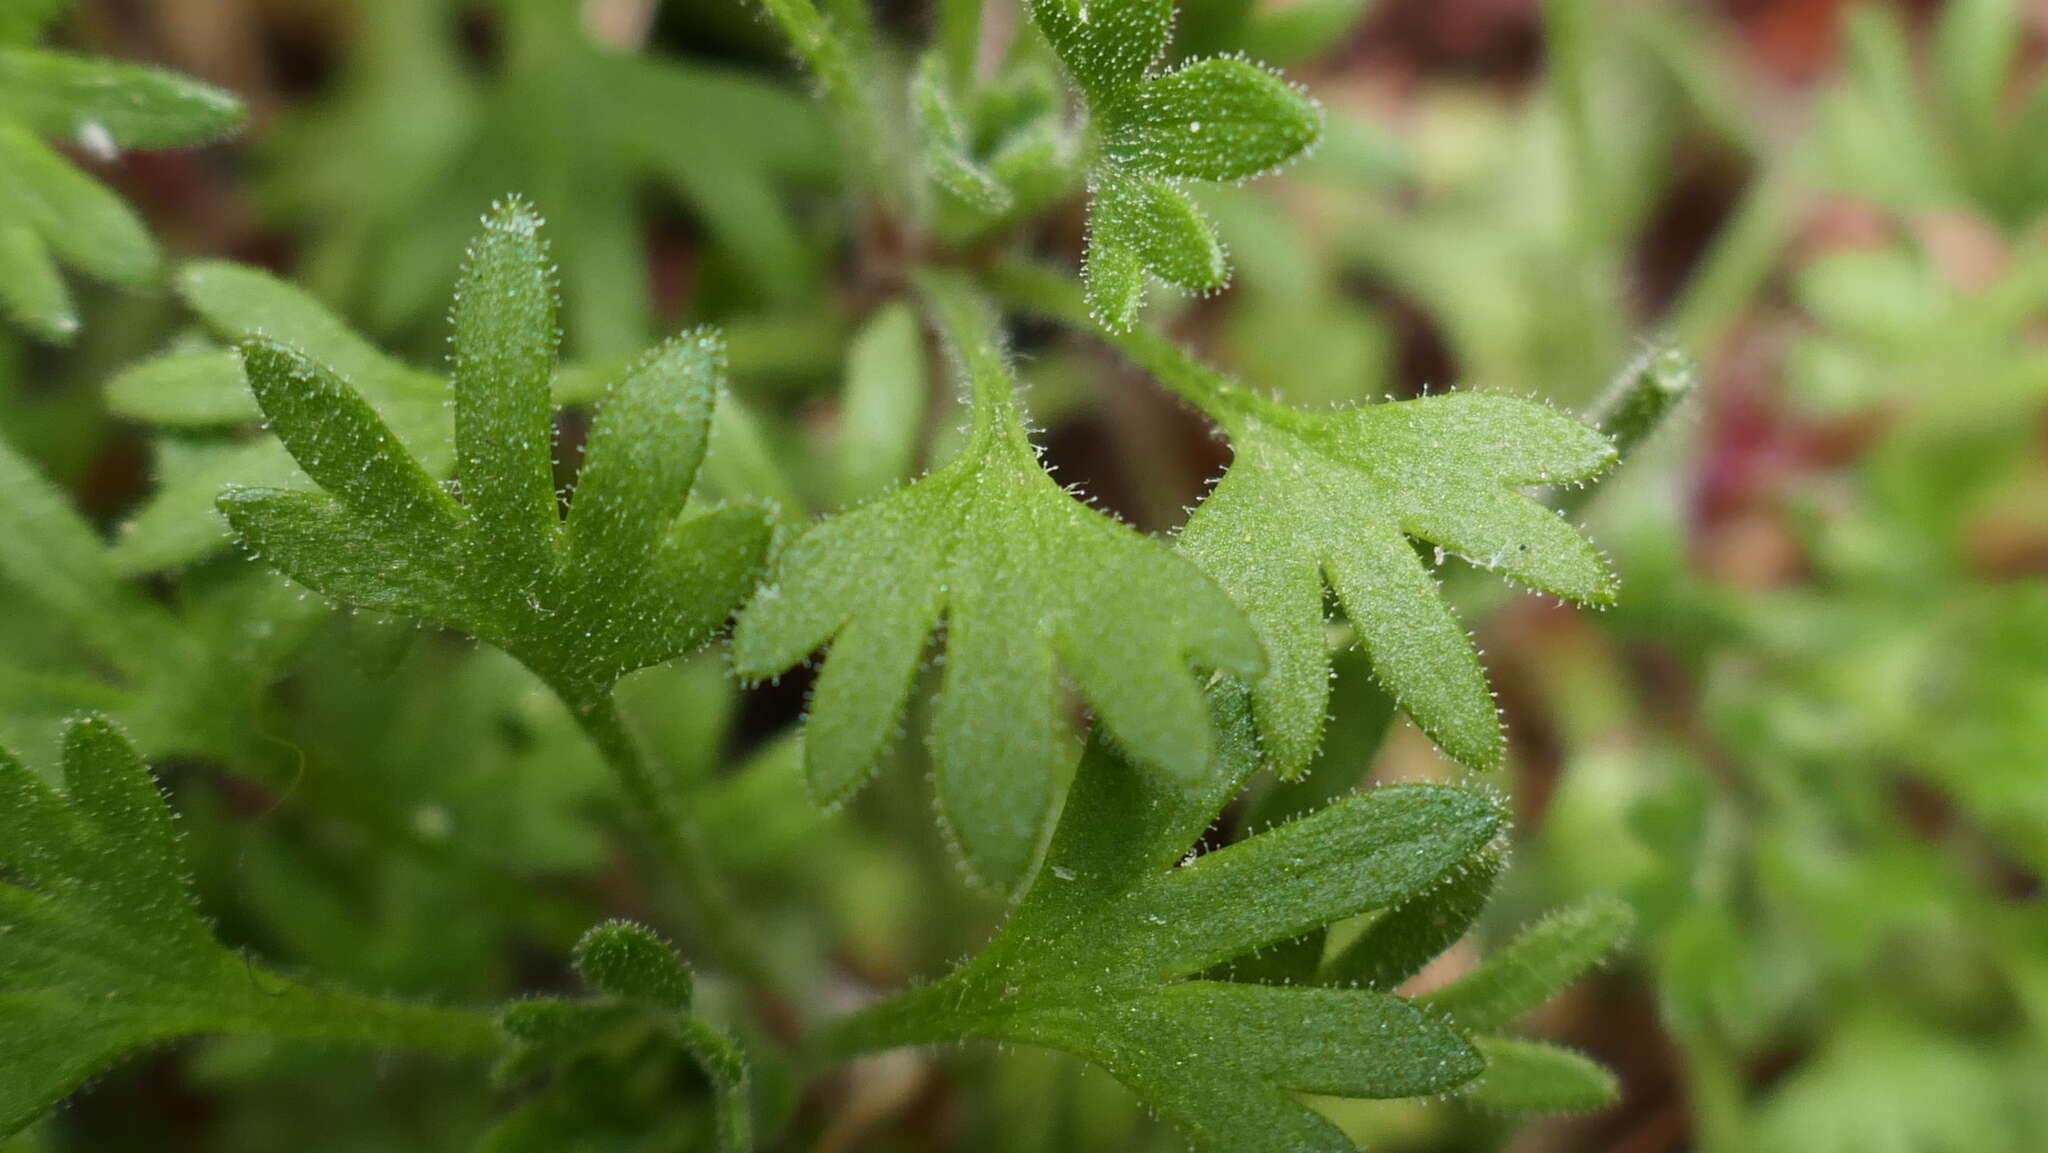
(917, 1016)
(1634, 407)
(830, 50)
(1050, 294)
(675, 832)
(279, 1007)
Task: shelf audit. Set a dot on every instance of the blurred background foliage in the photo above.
(1810, 746)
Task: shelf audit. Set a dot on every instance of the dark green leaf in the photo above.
(629, 962)
(1094, 958)
(106, 954)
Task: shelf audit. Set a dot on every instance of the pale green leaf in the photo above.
(190, 389)
(83, 223)
(134, 106)
(1026, 578)
(1534, 1077)
(32, 291)
(1336, 496)
(882, 413)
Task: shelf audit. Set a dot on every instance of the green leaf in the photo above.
(56, 561)
(32, 292)
(1097, 957)
(49, 210)
(1534, 1077)
(64, 97)
(882, 414)
(1107, 45)
(341, 442)
(1545, 958)
(647, 992)
(184, 389)
(505, 344)
(106, 953)
(1335, 496)
(629, 962)
(1215, 119)
(1024, 576)
(82, 223)
(1405, 938)
(631, 582)
(946, 145)
(1159, 225)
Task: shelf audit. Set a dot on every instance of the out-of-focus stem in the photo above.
(681, 843)
(1635, 406)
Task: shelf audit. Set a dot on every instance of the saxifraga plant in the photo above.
(1225, 985)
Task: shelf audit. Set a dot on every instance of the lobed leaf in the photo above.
(647, 993)
(1094, 957)
(1335, 497)
(106, 953)
(1404, 939)
(1215, 119)
(1025, 577)
(50, 212)
(1107, 45)
(630, 582)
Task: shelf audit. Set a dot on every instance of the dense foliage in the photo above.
(679, 701)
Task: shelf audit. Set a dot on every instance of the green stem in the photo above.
(1634, 407)
(726, 1066)
(279, 1007)
(831, 55)
(919, 1016)
(1050, 294)
(681, 843)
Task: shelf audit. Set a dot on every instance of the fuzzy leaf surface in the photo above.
(1213, 119)
(1337, 497)
(1026, 578)
(627, 582)
(1100, 957)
